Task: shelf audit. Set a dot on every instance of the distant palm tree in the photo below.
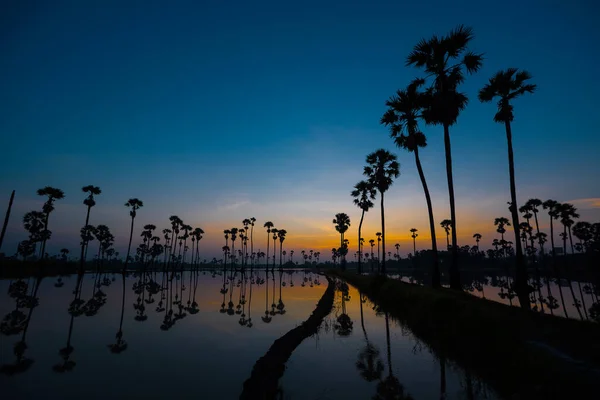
(382, 168)
(372, 243)
(447, 225)
(397, 246)
(186, 234)
(252, 221)
(477, 238)
(176, 224)
(501, 223)
(64, 253)
(134, 204)
(414, 235)
(444, 59)
(281, 235)
(197, 234)
(404, 110)
(274, 231)
(34, 222)
(534, 205)
(363, 193)
(507, 85)
(90, 202)
(553, 208)
(342, 223)
(378, 234)
(53, 194)
(268, 225)
(567, 213)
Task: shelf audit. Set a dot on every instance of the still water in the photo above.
(200, 334)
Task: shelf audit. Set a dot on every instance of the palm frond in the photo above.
(472, 62)
(457, 40)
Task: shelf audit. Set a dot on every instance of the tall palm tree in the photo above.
(501, 223)
(404, 110)
(53, 194)
(397, 246)
(447, 225)
(372, 243)
(90, 202)
(176, 224)
(414, 235)
(268, 225)
(363, 193)
(281, 236)
(507, 85)
(342, 223)
(135, 204)
(534, 205)
(553, 208)
(477, 238)
(444, 59)
(274, 232)
(382, 168)
(197, 234)
(378, 234)
(252, 221)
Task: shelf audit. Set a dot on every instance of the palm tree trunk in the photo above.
(43, 250)
(454, 271)
(382, 236)
(268, 243)
(521, 273)
(128, 248)
(359, 249)
(435, 273)
(6, 217)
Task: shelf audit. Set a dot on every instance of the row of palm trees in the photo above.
(436, 99)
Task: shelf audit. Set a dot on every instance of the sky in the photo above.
(218, 111)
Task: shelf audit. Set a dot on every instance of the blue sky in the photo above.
(217, 111)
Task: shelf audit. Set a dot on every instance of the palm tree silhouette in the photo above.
(440, 57)
(477, 238)
(134, 204)
(534, 206)
(274, 232)
(90, 202)
(268, 225)
(252, 221)
(281, 235)
(372, 243)
(378, 234)
(414, 235)
(501, 222)
(363, 193)
(553, 211)
(342, 223)
(381, 170)
(397, 246)
(404, 110)
(567, 213)
(507, 85)
(447, 225)
(53, 194)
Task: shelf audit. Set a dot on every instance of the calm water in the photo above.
(206, 348)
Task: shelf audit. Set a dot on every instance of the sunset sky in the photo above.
(218, 111)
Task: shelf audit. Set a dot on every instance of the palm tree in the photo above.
(372, 243)
(274, 232)
(64, 253)
(268, 225)
(90, 202)
(381, 170)
(378, 234)
(281, 235)
(34, 222)
(134, 204)
(553, 208)
(197, 235)
(252, 221)
(501, 222)
(176, 223)
(447, 225)
(363, 193)
(534, 205)
(53, 194)
(414, 235)
(507, 85)
(404, 110)
(397, 246)
(444, 59)
(342, 223)
(477, 238)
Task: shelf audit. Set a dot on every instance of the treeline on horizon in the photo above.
(434, 98)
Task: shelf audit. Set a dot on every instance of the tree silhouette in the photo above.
(269, 225)
(477, 238)
(120, 345)
(507, 85)
(363, 193)
(381, 170)
(342, 223)
(281, 236)
(447, 225)
(90, 202)
(414, 235)
(134, 204)
(53, 194)
(444, 59)
(404, 110)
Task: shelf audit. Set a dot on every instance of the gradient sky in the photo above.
(218, 111)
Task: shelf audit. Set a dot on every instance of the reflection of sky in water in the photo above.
(208, 354)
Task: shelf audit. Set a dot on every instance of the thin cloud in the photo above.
(586, 204)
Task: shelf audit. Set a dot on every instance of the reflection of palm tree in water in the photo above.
(343, 325)
(249, 320)
(273, 305)
(120, 345)
(368, 364)
(280, 304)
(390, 387)
(266, 318)
(23, 363)
(66, 352)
